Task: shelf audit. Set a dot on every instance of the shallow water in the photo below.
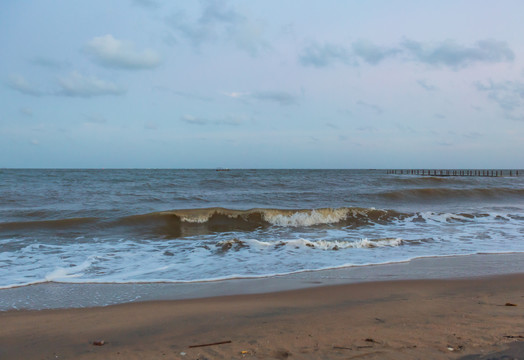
(125, 226)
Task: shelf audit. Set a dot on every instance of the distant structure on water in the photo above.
(455, 172)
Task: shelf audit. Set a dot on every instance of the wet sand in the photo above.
(407, 319)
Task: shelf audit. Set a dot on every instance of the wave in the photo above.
(453, 194)
(211, 220)
(205, 221)
(48, 224)
(188, 222)
(237, 244)
(282, 217)
(420, 180)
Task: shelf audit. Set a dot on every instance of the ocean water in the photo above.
(148, 226)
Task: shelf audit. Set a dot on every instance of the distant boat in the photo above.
(222, 169)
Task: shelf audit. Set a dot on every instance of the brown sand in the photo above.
(431, 319)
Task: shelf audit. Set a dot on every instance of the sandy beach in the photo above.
(409, 319)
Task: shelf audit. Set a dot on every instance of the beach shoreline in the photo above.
(54, 295)
(440, 317)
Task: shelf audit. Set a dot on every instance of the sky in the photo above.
(261, 84)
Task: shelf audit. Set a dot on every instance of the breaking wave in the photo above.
(188, 222)
(207, 221)
(237, 244)
(283, 217)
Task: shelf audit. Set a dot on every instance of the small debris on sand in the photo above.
(211, 344)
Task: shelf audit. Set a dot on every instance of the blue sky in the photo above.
(261, 84)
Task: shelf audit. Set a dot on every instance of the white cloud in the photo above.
(236, 95)
(114, 53)
(78, 85)
(20, 84)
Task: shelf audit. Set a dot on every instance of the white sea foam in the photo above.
(306, 218)
(339, 244)
(61, 273)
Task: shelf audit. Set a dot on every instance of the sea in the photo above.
(147, 226)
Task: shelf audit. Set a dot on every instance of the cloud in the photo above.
(77, 85)
(196, 34)
(449, 53)
(440, 116)
(508, 95)
(279, 97)
(317, 55)
(218, 21)
(371, 53)
(248, 36)
(216, 11)
(345, 112)
(230, 120)
(152, 4)
(373, 107)
(446, 53)
(236, 95)
(113, 53)
(191, 96)
(405, 128)
(183, 93)
(96, 119)
(472, 135)
(20, 84)
(26, 111)
(194, 120)
(426, 86)
(367, 128)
